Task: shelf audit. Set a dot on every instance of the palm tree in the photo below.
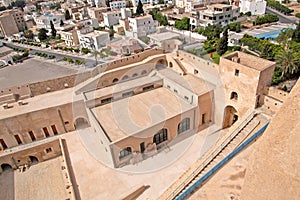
(289, 61)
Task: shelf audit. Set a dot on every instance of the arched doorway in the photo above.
(160, 136)
(34, 160)
(170, 64)
(115, 80)
(161, 63)
(81, 122)
(230, 116)
(6, 167)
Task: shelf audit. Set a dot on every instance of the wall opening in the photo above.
(32, 136)
(46, 132)
(115, 80)
(4, 146)
(160, 136)
(18, 139)
(33, 160)
(234, 96)
(183, 126)
(81, 123)
(54, 130)
(6, 167)
(230, 116)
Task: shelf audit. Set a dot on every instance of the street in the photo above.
(89, 62)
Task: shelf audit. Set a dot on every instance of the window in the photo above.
(134, 75)
(236, 72)
(17, 137)
(160, 136)
(150, 87)
(107, 100)
(234, 96)
(48, 150)
(115, 80)
(183, 126)
(54, 130)
(196, 71)
(186, 98)
(31, 134)
(175, 91)
(203, 118)
(144, 72)
(128, 94)
(125, 152)
(46, 132)
(4, 146)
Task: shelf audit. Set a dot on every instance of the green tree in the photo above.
(53, 30)
(139, 9)
(67, 15)
(296, 34)
(158, 16)
(42, 35)
(289, 62)
(268, 52)
(18, 3)
(28, 34)
(284, 36)
(183, 24)
(223, 43)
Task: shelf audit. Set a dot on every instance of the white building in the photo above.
(44, 20)
(190, 5)
(256, 7)
(215, 14)
(112, 18)
(91, 39)
(115, 5)
(141, 26)
(97, 3)
(89, 22)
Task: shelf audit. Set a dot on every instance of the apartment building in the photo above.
(88, 38)
(11, 22)
(96, 13)
(141, 26)
(256, 7)
(215, 14)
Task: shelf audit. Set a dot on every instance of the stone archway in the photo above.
(34, 160)
(81, 122)
(6, 167)
(161, 63)
(230, 116)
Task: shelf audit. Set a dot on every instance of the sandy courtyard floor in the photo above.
(42, 181)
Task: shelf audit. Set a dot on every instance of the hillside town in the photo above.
(149, 99)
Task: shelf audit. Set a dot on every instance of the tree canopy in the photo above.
(223, 43)
(42, 35)
(296, 34)
(156, 15)
(139, 8)
(67, 15)
(28, 34)
(53, 30)
(183, 24)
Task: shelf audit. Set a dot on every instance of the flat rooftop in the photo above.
(39, 102)
(164, 36)
(123, 86)
(250, 61)
(32, 70)
(42, 181)
(189, 81)
(130, 115)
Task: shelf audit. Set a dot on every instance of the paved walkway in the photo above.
(97, 181)
(43, 181)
